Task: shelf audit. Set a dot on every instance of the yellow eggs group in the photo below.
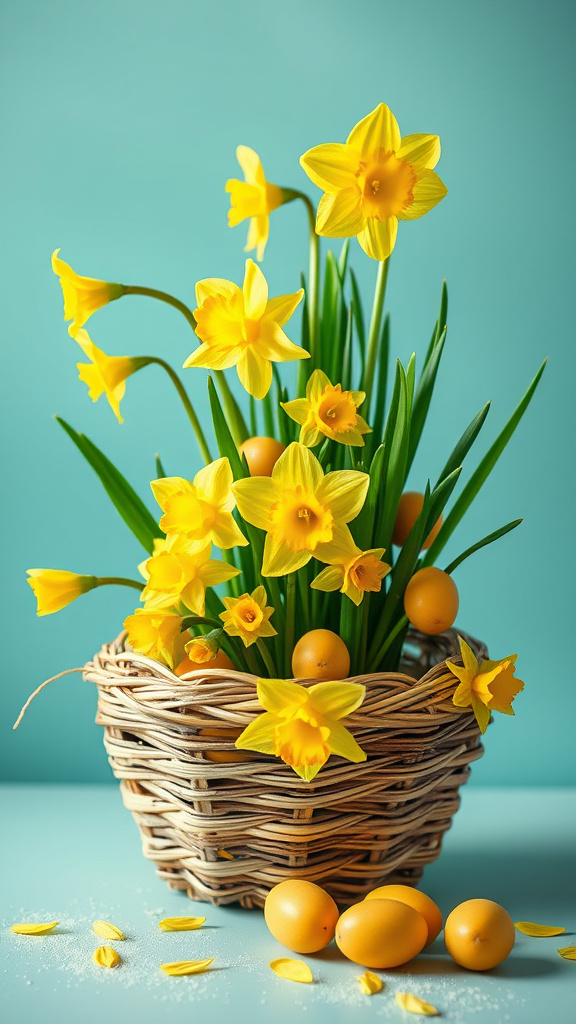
(479, 934)
(301, 915)
(381, 933)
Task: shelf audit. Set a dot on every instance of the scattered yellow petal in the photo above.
(569, 952)
(33, 929)
(108, 931)
(181, 967)
(292, 970)
(538, 930)
(416, 1005)
(105, 956)
(370, 983)
(225, 854)
(181, 924)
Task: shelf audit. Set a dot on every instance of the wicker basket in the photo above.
(228, 830)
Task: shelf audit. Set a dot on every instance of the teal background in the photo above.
(120, 122)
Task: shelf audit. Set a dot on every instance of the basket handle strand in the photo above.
(67, 672)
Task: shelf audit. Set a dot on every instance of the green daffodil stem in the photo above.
(202, 444)
(236, 421)
(153, 293)
(266, 658)
(376, 661)
(314, 272)
(103, 581)
(375, 325)
(289, 627)
(251, 661)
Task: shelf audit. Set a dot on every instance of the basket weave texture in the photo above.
(227, 830)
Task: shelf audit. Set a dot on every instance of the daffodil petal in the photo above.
(568, 953)
(251, 165)
(331, 578)
(344, 492)
(181, 924)
(278, 694)
(331, 166)
(226, 533)
(210, 287)
(342, 548)
(413, 1004)
(297, 409)
(370, 983)
(308, 772)
(539, 931)
(292, 970)
(317, 381)
(217, 571)
(33, 929)
(255, 497)
(482, 714)
(297, 466)
(255, 373)
(428, 190)
(281, 308)
(421, 151)
(378, 237)
(273, 343)
(279, 559)
(468, 657)
(258, 231)
(342, 743)
(107, 931)
(259, 735)
(214, 484)
(183, 967)
(340, 214)
(255, 291)
(378, 130)
(335, 700)
(212, 357)
(105, 956)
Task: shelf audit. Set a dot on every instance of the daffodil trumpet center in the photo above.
(301, 522)
(337, 410)
(367, 573)
(386, 184)
(299, 742)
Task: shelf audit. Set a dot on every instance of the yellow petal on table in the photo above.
(540, 931)
(292, 970)
(33, 929)
(107, 931)
(105, 956)
(413, 1004)
(182, 967)
(370, 983)
(568, 953)
(181, 924)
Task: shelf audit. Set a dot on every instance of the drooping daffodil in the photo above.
(255, 198)
(373, 180)
(303, 725)
(301, 509)
(242, 327)
(105, 375)
(82, 295)
(55, 588)
(328, 411)
(485, 686)
(202, 510)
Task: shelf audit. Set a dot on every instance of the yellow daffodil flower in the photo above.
(202, 510)
(486, 686)
(202, 649)
(82, 295)
(351, 570)
(242, 327)
(55, 588)
(255, 198)
(248, 616)
(302, 726)
(157, 634)
(327, 411)
(182, 572)
(373, 180)
(301, 510)
(104, 375)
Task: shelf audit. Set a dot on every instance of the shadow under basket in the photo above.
(226, 825)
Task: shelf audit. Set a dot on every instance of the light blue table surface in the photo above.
(72, 853)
